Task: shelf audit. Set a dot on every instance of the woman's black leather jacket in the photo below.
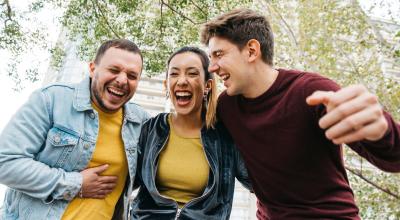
(215, 202)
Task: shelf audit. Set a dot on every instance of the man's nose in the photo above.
(122, 78)
(213, 67)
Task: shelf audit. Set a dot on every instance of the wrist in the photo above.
(80, 194)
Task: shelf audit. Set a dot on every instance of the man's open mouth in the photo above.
(116, 92)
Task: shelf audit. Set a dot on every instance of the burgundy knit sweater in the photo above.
(296, 172)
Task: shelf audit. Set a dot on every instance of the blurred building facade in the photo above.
(386, 30)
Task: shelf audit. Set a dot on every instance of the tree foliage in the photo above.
(334, 38)
(18, 38)
(158, 27)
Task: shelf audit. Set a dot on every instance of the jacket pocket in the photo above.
(59, 146)
(25, 207)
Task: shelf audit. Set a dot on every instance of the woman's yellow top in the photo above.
(183, 169)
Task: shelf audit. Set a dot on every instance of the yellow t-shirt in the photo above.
(183, 170)
(109, 150)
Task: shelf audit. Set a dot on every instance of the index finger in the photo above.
(319, 97)
(346, 94)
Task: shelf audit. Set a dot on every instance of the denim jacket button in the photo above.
(91, 115)
(57, 139)
(86, 145)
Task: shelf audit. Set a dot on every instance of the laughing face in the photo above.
(114, 78)
(186, 83)
(230, 64)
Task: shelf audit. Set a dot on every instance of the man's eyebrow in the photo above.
(114, 66)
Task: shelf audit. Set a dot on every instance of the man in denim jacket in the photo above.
(58, 155)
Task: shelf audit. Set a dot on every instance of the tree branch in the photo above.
(349, 60)
(359, 174)
(291, 33)
(97, 5)
(9, 11)
(379, 36)
(179, 13)
(200, 9)
(162, 19)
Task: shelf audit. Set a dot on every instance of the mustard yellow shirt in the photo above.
(183, 170)
(109, 150)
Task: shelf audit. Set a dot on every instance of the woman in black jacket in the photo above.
(187, 162)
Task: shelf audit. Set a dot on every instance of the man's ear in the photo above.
(92, 67)
(254, 50)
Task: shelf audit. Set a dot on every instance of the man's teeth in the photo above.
(225, 77)
(116, 92)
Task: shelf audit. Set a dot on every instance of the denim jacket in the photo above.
(215, 202)
(48, 142)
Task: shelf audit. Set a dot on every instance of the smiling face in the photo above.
(230, 64)
(186, 83)
(114, 78)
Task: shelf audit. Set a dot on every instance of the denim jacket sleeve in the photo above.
(20, 141)
(241, 171)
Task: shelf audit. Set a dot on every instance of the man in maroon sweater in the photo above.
(290, 125)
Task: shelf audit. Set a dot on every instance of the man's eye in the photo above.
(114, 70)
(132, 76)
(173, 74)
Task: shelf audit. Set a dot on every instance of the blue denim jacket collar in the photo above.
(82, 101)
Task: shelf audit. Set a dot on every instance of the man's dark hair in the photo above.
(239, 26)
(122, 44)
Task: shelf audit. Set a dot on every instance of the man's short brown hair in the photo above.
(122, 44)
(239, 26)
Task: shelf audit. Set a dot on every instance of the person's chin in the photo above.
(113, 107)
(230, 92)
(182, 111)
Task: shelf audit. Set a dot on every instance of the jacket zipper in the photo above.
(178, 213)
(179, 210)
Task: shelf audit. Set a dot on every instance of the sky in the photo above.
(12, 100)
